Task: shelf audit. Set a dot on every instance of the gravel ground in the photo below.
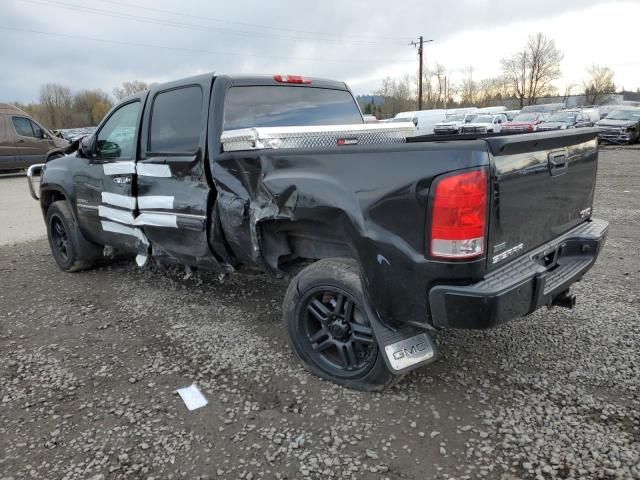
(89, 365)
(20, 216)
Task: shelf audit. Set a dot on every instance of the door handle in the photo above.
(558, 163)
(20, 141)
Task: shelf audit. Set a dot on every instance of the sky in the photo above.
(102, 43)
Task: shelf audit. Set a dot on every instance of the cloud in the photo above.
(359, 41)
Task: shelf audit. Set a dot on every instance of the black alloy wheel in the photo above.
(339, 339)
(60, 237)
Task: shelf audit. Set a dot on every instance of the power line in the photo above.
(194, 50)
(183, 25)
(251, 25)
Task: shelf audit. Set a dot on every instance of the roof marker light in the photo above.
(292, 79)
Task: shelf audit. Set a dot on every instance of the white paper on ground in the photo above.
(192, 397)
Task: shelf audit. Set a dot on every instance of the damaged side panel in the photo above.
(279, 208)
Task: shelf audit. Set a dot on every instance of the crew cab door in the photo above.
(172, 189)
(104, 180)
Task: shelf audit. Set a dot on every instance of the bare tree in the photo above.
(599, 86)
(493, 91)
(533, 69)
(57, 102)
(399, 96)
(129, 88)
(84, 103)
(515, 69)
(468, 88)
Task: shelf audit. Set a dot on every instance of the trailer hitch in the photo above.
(564, 300)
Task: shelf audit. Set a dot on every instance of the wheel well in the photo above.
(48, 197)
(288, 246)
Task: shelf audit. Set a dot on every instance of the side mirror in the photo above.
(85, 148)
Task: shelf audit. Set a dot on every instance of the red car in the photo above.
(525, 122)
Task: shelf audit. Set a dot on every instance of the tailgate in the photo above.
(543, 186)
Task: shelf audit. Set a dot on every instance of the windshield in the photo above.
(564, 117)
(526, 117)
(483, 119)
(279, 106)
(470, 117)
(455, 118)
(631, 115)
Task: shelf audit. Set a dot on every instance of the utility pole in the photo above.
(420, 44)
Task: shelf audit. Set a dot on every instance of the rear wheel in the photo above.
(71, 251)
(328, 328)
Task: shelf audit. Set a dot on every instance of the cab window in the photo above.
(176, 121)
(116, 139)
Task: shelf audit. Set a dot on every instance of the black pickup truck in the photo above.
(387, 239)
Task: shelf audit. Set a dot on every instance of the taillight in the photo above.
(291, 79)
(459, 215)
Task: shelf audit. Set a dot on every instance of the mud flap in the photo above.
(405, 348)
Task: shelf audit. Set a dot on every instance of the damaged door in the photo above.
(172, 189)
(104, 183)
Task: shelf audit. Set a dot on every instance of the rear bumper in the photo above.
(523, 285)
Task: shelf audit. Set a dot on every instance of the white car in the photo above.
(485, 124)
(453, 123)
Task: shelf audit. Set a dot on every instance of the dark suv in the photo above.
(620, 126)
(566, 119)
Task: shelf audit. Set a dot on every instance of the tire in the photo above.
(328, 329)
(71, 251)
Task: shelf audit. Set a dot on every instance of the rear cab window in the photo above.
(176, 118)
(287, 106)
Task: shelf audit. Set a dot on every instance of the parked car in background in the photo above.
(427, 120)
(23, 141)
(73, 134)
(453, 123)
(620, 126)
(370, 119)
(511, 114)
(405, 117)
(485, 124)
(566, 119)
(525, 122)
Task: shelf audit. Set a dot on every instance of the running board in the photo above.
(405, 348)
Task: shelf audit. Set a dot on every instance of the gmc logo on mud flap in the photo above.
(412, 351)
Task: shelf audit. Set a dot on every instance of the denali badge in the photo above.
(508, 253)
(347, 141)
(411, 351)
